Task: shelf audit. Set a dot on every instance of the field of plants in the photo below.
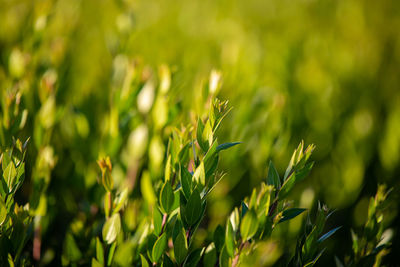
(199, 133)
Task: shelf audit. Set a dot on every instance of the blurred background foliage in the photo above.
(90, 78)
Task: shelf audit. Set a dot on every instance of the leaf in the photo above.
(99, 251)
(167, 262)
(249, 225)
(145, 263)
(147, 189)
(199, 175)
(229, 238)
(168, 169)
(244, 209)
(227, 145)
(95, 263)
(219, 237)
(194, 258)
(290, 214)
(111, 228)
(157, 220)
(159, 247)
(287, 186)
(210, 256)
(166, 198)
(199, 135)
(9, 175)
(3, 212)
(71, 250)
(186, 182)
(111, 254)
(273, 176)
(224, 259)
(120, 200)
(193, 208)
(180, 246)
(328, 234)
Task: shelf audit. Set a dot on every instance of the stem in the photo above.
(235, 260)
(164, 222)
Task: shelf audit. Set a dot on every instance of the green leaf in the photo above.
(111, 228)
(328, 234)
(186, 182)
(229, 238)
(244, 209)
(193, 208)
(249, 225)
(120, 200)
(95, 263)
(224, 259)
(180, 246)
(99, 251)
(111, 254)
(3, 211)
(219, 237)
(199, 175)
(147, 189)
(227, 145)
(166, 198)
(71, 250)
(199, 135)
(157, 220)
(210, 256)
(145, 263)
(9, 175)
(168, 169)
(290, 214)
(159, 247)
(194, 258)
(273, 176)
(167, 262)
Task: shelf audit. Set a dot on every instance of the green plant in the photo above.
(177, 203)
(373, 243)
(15, 220)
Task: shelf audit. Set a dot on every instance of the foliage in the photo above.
(129, 84)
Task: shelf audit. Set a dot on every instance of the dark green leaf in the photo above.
(166, 198)
(227, 145)
(145, 263)
(273, 176)
(290, 214)
(193, 208)
(219, 237)
(159, 247)
(180, 246)
(193, 258)
(186, 182)
(210, 256)
(328, 234)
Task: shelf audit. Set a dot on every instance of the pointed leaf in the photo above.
(166, 198)
(159, 247)
(227, 145)
(249, 225)
(273, 176)
(290, 214)
(112, 228)
(193, 208)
